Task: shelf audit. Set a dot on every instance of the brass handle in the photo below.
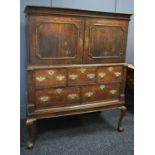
(110, 69)
(50, 72)
(102, 87)
(60, 77)
(117, 74)
(58, 90)
(40, 78)
(102, 74)
(82, 70)
(90, 76)
(113, 92)
(72, 96)
(73, 76)
(89, 94)
(44, 98)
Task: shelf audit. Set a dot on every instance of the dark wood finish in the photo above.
(75, 62)
(123, 110)
(109, 74)
(57, 97)
(80, 76)
(105, 40)
(51, 77)
(130, 79)
(29, 123)
(100, 92)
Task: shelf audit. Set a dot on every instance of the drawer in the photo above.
(100, 92)
(109, 74)
(49, 78)
(82, 76)
(57, 97)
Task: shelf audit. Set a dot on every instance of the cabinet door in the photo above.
(55, 40)
(105, 40)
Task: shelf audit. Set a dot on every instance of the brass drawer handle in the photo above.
(89, 94)
(102, 87)
(73, 76)
(60, 77)
(102, 74)
(44, 98)
(90, 76)
(110, 69)
(51, 72)
(117, 74)
(58, 90)
(72, 96)
(82, 70)
(113, 91)
(40, 78)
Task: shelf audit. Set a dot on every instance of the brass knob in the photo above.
(90, 76)
(60, 77)
(89, 94)
(44, 98)
(113, 91)
(101, 74)
(40, 78)
(72, 96)
(73, 76)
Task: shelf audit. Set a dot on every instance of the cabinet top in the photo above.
(38, 10)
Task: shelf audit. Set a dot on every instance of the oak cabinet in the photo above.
(76, 62)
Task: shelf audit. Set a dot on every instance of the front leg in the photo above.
(29, 123)
(123, 111)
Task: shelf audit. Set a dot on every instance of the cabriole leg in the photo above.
(29, 123)
(123, 110)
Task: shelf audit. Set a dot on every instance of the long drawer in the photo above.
(45, 78)
(76, 95)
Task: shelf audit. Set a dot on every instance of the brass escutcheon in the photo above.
(90, 76)
(117, 74)
(110, 69)
(40, 78)
(50, 72)
(82, 70)
(58, 90)
(102, 74)
(102, 87)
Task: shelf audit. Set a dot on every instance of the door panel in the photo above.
(56, 40)
(105, 40)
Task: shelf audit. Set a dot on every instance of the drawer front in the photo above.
(82, 76)
(109, 74)
(100, 92)
(49, 78)
(57, 97)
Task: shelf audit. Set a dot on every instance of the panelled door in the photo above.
(55, 40)
(105, 40)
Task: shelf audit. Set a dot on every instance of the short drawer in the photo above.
(100, 92)
(58, 96)
(82, 76)
(50, 78)
(109, 74)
